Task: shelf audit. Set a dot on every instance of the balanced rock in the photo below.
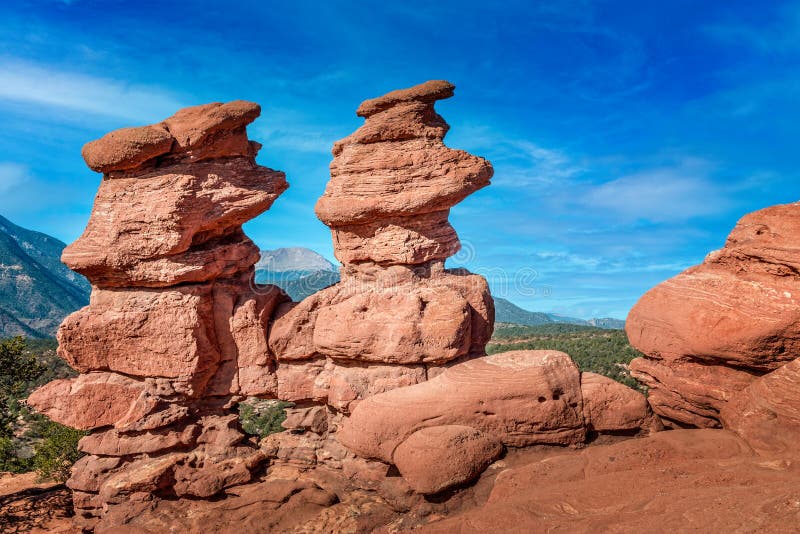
(393, 182)
(175, 333)
(739, 309)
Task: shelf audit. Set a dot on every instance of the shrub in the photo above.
(57, 451)
(263, 417)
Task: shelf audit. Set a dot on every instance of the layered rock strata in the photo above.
(175, 332)
(709, 332)
(386, 371)
(398, 316)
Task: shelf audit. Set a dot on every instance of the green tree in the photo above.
(17, 370)
(57, 451)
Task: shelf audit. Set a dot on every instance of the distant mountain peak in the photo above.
(36, 290)
(293, 259)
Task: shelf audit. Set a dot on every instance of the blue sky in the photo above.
(627, 137)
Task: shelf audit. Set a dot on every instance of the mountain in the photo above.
(298, 271)
(607, 322)
(302, 272)
(294, 259)
(506, 311)
(36, 290)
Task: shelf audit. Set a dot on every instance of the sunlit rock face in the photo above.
(175, 331)
(386, 370)
(709, 332)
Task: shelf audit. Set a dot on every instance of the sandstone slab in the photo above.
(144, 333)
(92, 400)
(766, 414)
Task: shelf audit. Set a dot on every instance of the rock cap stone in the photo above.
(428, 93)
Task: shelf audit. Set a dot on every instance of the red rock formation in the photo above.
(392, 184)
(679, 481)
(174, 332)
(708, 332)
(387, 367)
(767, 412)
(397, 311)
(517, 398)
(609, 406)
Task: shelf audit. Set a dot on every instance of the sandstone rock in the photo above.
(92, 400)
(426, 93)
(309, 418)
(220, 430)
(392, 317)
(200, 132)
(156, 229)
(113, 443)
(519, 398)
(165, 414)
(436, 458)
(146, 475)
(351, 383)
(89, 473)
(127, 148)
(293, 449)
(767, 412)
(213, 130)
(683, 480)
(144, 333)
(736, 314)
(242, 313)
(393, 182)
(609, 406)
(720, 316)
(687, 393)
(395, 326)
(304, 381)
(203, 477)
(398, 240)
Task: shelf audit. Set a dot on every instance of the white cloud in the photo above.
(667, 194)
(518, 163)
(30, 83)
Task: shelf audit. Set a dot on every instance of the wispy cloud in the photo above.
(40, 85)
(666, 194)
(520, 163)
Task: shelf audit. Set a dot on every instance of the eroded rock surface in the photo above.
(175, 331)
(708, 332)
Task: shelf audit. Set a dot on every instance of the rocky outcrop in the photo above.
(175, 331)
(609, 406)
(716, 327)
(517, 399)
(386, 371)
(392, 184)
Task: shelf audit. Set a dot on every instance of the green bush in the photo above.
(263, 417)
(57, 451)
(605, 352)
